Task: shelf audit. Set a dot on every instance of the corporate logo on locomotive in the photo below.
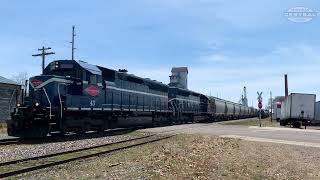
(92, 91)
(36, 82)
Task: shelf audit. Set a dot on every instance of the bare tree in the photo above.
(20, 78)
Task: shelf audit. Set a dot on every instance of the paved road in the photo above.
(308, 137)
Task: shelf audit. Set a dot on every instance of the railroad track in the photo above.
(111, 132)
(61, 138)
(9, 141)
(12, 168)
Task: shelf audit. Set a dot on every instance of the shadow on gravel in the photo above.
(73, 137)
(90, 135)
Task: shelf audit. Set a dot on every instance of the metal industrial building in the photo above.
(179, 77)
(9, 96)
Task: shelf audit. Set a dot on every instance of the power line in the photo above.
(43, 54)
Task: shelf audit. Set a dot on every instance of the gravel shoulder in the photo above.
(252, 122)
(195, 157)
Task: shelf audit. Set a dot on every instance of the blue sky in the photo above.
(225, 44)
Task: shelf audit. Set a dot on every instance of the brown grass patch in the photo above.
(3, 128)
(253, 122)
(197, 157)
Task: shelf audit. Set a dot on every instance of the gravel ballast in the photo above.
(21, 151)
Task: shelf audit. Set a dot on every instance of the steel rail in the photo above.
(69, 152)
(55, 163)
(9, 141)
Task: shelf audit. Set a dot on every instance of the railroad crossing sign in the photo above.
(259, 100)
(259, 96)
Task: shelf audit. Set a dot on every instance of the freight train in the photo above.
(74, 96)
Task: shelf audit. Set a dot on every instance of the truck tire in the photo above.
(296, 124)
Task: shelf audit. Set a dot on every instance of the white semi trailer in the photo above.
(317, 114)
(276, 111)
(298, 108)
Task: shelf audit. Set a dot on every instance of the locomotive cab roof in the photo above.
(74, 69)
(65, 65)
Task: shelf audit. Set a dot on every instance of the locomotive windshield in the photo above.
(63, 69)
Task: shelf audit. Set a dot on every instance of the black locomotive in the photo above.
(74, 96)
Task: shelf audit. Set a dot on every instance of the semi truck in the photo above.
(298, 109)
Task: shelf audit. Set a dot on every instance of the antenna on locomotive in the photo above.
(72, 43)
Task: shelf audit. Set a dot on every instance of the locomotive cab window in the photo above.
(63, 69)
(93, 79)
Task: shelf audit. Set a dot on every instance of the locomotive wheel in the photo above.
(37, 132)
(155, 121)
(170, 120)
(113, 122)
(10, 130)
(192, 119)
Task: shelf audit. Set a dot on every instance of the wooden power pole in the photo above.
(72, 43)
(43, 54)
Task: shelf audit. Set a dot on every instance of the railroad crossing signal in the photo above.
(259, 96)
(259, 100)
(259, 105)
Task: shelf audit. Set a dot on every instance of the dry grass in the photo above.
(3, 128)
(253, 122)
(196, 157)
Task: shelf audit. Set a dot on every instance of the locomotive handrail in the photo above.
(60, 99)
(45, 92)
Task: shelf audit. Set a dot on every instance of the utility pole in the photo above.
(245, 100)
(72, 42)
(43, 54)
(271, 103)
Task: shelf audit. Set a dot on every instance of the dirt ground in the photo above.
(195, 157)
(266, 122)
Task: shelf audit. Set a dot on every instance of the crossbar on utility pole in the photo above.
(43, 54)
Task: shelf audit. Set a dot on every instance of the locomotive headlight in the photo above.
(37, 104)
(18, 105)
